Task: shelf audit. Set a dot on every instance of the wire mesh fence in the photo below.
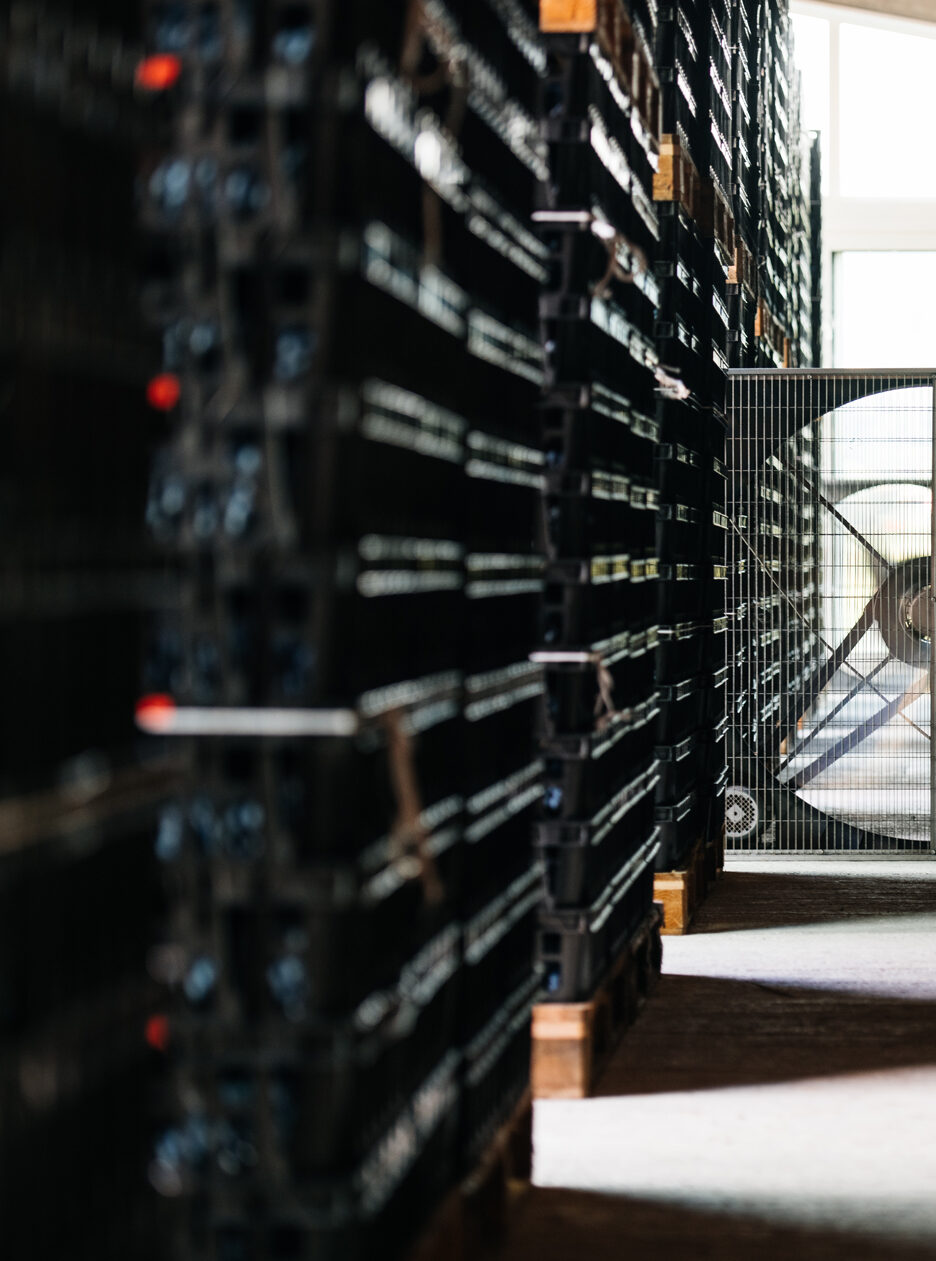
(831, 555)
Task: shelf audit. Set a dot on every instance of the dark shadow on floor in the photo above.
(700, 1033)
(744, 900)
(560, 1225)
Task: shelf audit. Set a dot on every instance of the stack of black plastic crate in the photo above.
(78, 902)
(597, 836)
(774, 545)
(745, 196)
(695, 253)
(776, 144)
(346, 280)
(799, 309)
(815, 243)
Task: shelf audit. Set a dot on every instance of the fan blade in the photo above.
(800, 702)
(863, 681)
(834, 512)
(913, 693)
(771, 738)
(855, 737)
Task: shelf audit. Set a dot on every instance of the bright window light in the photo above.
(884, 309)
(886, 94)
(811, 53)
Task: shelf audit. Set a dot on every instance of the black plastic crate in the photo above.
(682, 288)
(681, 467)
(369, 440)
(245, 796)
(501, 610)
(680, 239)
(684, 649)
(329, 937)
(349, 316)
(593, 513)
(580, 179)
(498, 820)
(581, 858)
(499, 716)
(498, 950)
(684, 767)
(592, 340)
(677, 41)
(349, 1223)
(582, 93)
(510, 42)
(288, 41)
(682, 107)
(679, 825)
(591, 258)
(576, 948)
(691, 425)
(346, 1082)
(505, 477)
(593, 427)
(679, 526)
(582, 605)
(370, 607)
(683, 594)
(495, 1073)
(582, 697)
(682, 708)
(581, 774)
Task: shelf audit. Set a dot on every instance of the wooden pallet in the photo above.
(474, 1219)
(621, 42)
(716, 219)
(681, 893)
(743, 270)
(677, 178)
(767, 325)
(572, 1041)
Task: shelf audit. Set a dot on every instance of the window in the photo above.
(886, 96)
(868, 83)
(811, 42)
(885, 314)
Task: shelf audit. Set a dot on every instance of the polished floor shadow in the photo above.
(700, 1033)
(776, 1098)
(779, 898)
(561, 1225)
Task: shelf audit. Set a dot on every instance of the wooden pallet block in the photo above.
(677, 178)
(743, 270)
(767, 325)
(568, 16)
(678, 893)
(475, 1216)
(572, 1041)
(681, 893)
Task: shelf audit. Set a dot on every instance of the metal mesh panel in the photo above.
(831, 552)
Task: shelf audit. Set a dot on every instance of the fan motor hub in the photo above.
(905, 613)
(921, 615)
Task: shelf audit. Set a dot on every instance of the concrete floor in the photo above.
(777, 1097)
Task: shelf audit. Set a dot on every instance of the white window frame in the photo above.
(859, 223)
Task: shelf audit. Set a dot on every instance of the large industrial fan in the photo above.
(832, 611)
